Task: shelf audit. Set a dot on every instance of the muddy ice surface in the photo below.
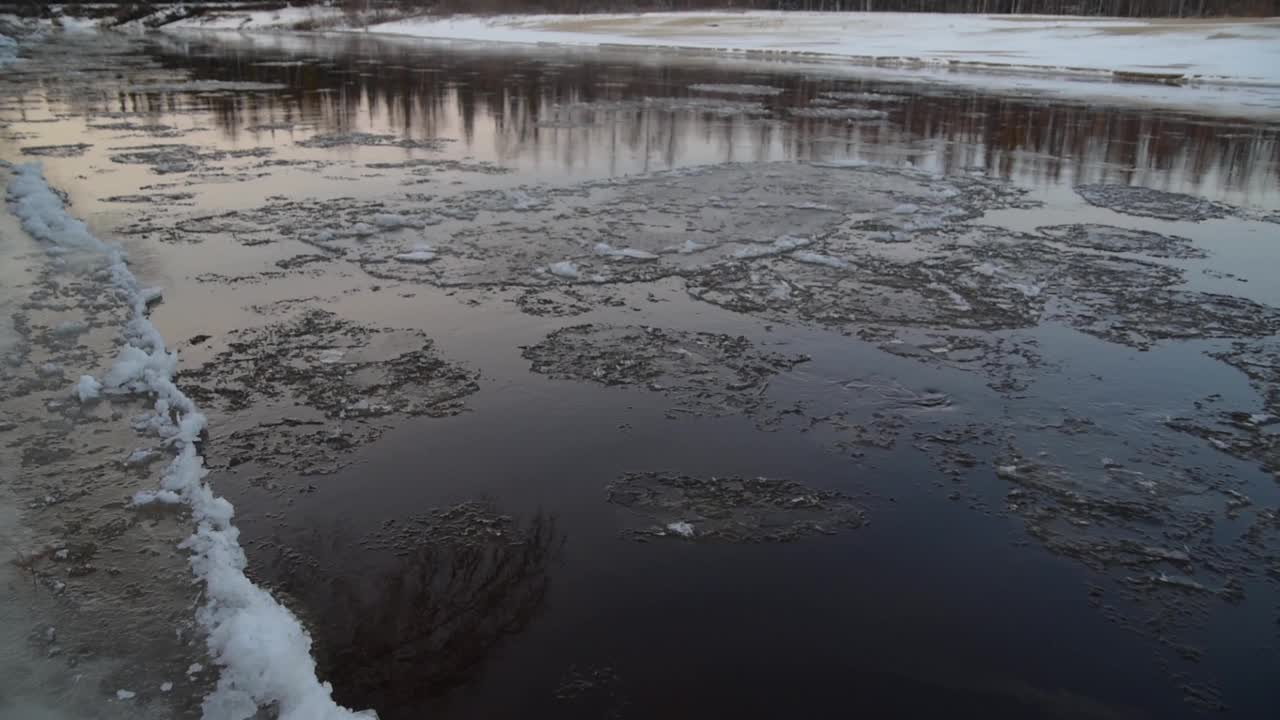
(729, 509)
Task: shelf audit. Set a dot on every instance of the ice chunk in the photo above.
(416, 256)
(814, 258)
(690, 247)
(521, 200)
(139, 456)
(393, 220)
(164, 497)
(786, 243)
(564, 269)
(681, 528)
(166, 686)
(125, 694)
(70, 327)
(609, 251)
(88, 388)
(151, 295)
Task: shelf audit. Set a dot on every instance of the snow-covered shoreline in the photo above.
(1211, 51)
(1223, 67)
(1217, 51)
(262, 648)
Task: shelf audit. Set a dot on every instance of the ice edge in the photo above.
(264, 651)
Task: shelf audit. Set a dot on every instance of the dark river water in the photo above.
(951, 597)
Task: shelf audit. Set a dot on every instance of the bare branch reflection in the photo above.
(404, 614)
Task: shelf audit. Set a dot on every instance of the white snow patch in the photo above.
(681, 528)
(564, 269)
(264, 651)
(1243, 50)
(166, 686)
(125, 694)
(164, 497)
(88, 388)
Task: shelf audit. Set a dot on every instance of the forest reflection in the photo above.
(584, 112)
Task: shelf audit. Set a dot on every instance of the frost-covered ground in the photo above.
(510, 360)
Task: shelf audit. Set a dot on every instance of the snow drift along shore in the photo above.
(263, 651)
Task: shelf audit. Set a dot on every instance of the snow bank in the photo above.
(264, 651)
(1240, 50)
(282, 19)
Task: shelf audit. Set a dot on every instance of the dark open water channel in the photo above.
(1026, 488)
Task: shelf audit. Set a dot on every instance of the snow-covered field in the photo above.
(1222, 50)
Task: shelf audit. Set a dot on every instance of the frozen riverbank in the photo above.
(1236, 51)
(1226, 67)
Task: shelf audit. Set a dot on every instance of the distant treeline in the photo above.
(1103, 8)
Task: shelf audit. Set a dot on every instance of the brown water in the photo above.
(1042, 591)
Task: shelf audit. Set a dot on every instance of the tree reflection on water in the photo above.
(404, 614)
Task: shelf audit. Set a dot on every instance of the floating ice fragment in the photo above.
(88, 388)
(690, 246)
(681, 528)
(164, 497)
(70, 327)
(814, 258)
(609, 251)
(125, 694)
(139, 456)
(564, 269)
(777, 247)
(393, 220)
(416, 256)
